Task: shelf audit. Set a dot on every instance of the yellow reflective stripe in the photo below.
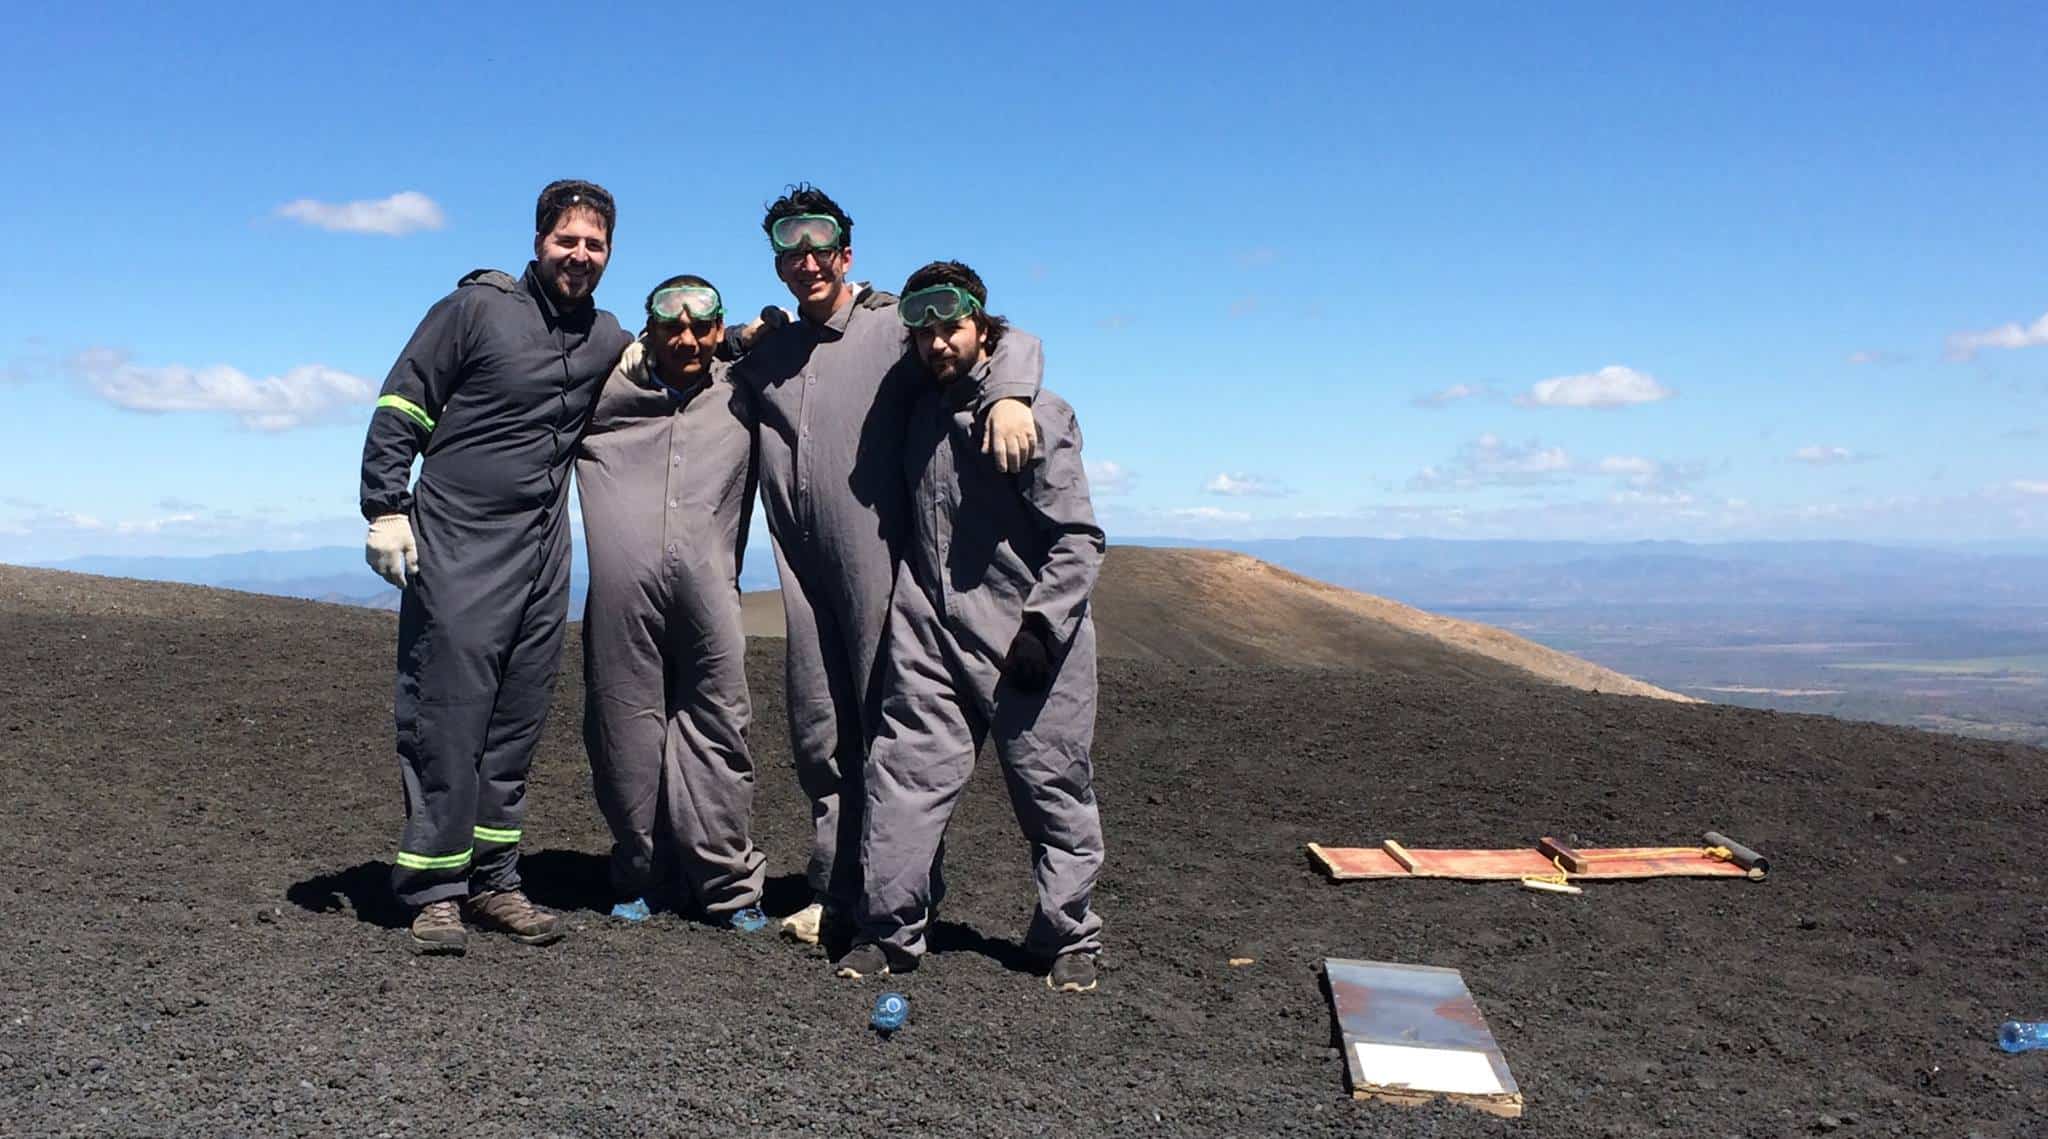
(412, 861)
(411, 410)
(492, 834)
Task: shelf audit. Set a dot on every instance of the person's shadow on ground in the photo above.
(952, 937)
(363, 889)
(564, 880)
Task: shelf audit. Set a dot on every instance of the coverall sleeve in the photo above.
(1016, 370)
(743, 409)
(1056, 488)
(409, 405)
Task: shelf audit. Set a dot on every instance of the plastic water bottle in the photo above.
(2013, 1035)
(891, 1010)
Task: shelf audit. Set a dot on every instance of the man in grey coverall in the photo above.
(666, 478)
(989, 632)
(831, 391)
(491, 394)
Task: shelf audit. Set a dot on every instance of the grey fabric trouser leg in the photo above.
(478, 651)
(939, 706)
(824, 688)
(665, 723)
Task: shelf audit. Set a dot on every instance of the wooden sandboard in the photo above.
(1344, 863)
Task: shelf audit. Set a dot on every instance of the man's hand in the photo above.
(770, 318)
(1011, 435)
(633, 361)
(1028, 664)
(390, 549)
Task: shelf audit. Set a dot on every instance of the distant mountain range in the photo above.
(1427, 572)
(1438, 573)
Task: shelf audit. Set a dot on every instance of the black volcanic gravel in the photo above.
(200, 801)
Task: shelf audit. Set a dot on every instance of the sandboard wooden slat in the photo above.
(1346, 863)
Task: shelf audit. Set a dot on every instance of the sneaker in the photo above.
(512, 912)
(633, 911)
(863, 960)
(748, 920)
(437, 929)
(803, 924)
(1072, 973)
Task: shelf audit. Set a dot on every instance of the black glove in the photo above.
(1028, 664)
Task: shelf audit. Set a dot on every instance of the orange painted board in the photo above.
(1345, 863)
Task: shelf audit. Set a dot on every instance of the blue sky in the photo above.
(1561, 271)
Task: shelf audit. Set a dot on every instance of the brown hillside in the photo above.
(1214, 606)
(1200, 607)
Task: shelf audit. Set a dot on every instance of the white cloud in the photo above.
(2030, 486)
(1243, 486)
(1490, 461)
(1449, 395)
(1611, 386)
(1964, 345)
(45, 534)
(1629, 465)
(1822, 455)
(1647, 475)
(305, 394)
(1876, 356)
(1209, 514)
(406, 212)
(1108, 477)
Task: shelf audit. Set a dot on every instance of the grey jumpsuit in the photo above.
(492, 393)
(666, 479)
(832, 400)
(987, 549)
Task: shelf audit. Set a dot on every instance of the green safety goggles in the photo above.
(818, 232)
(695, 303)
(939, 304)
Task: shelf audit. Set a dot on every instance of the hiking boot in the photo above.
(512, 912)
(863, 960)
(748, 920)
(437, 929)
(803, 924)
(1072, 973)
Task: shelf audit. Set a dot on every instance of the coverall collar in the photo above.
(842, 316)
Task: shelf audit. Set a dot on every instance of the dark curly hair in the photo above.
(573, 194)
(804, 198)
(959, 275)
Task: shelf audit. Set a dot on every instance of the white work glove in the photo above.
(633, 361)
(1011, 435)
(390, 549)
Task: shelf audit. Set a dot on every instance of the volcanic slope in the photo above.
(1214, 607)
(200, 809)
